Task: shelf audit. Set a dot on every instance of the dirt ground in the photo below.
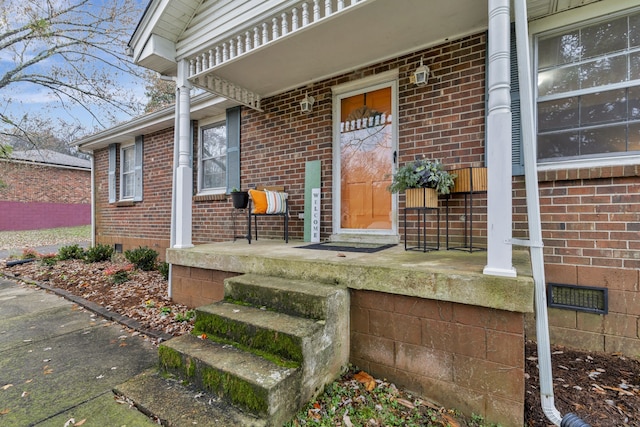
(603, 389)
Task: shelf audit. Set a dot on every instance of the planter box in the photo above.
(470, 180)
(421, 198)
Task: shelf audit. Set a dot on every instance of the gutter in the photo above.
(535, 228)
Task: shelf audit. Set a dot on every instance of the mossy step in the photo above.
(247, 381)
(272, 332)
(176, 404)
(295, 297)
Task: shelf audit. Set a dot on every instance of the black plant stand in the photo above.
(422, 229)
(235, 213)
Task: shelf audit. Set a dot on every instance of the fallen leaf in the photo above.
(4, 387)
(347, 420)
(69, 422)
(5, 411)
(406, 403)
(450, 421)
(24, 394)
(79, 423)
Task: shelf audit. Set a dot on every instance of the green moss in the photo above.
(169, 358)
(279, 344)
(190, 368)
(278, 360)
(239, 392)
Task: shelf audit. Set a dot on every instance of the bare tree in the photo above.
(160, 92)
(73, 52)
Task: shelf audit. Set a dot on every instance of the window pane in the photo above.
(634, 137)
(607, 37)
(563, 144)
(603, 107)
(558, 114)
(559, 50)
(604, 71)
(612, 139)
(634, 61)
(128, 160)
(634, 30)
(558, 80)
(214, 142)
(214, 172)
(127, 185)
(634, 103)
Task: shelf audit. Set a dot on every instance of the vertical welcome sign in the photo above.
(312, 201)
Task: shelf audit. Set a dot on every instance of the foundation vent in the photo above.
(579, 298)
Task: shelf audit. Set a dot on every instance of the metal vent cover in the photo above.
(590, 299)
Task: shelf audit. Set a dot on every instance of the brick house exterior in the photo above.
(589, 215)
(43, 189)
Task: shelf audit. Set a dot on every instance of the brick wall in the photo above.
(145, 223)
(470, 357)
(36, 196)
(590, 222)
(195, 287)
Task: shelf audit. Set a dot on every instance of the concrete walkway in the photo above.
(59, 361)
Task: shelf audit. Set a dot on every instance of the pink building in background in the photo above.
(44, 189)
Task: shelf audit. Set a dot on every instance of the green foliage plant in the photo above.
(98, 253)
(70, 252)
(163, 268)
(48, 259)
(422, 173)
(29, 254)
(143, 258)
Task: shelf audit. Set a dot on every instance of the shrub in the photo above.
(48, 259)
(70, 252)
(98, 253)
(163, 268)
(144, 258)
(119, 274)
(29, 254)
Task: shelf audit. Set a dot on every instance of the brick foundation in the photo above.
(470, 357)
(195, 287)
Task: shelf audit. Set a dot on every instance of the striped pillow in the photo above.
(276, 202)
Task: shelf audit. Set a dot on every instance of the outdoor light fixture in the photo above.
(421, 74)
(307, 103)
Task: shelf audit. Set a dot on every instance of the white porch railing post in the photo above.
(184, 171)
(498, 144)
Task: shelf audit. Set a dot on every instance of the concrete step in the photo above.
(287, 337)
(243, 379)
(294, 297)
(174, 403)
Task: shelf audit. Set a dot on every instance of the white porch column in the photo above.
(184, 171)
(498, 144)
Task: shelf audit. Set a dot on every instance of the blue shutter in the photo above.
(233, 148)
(137, 171)
(112, 173)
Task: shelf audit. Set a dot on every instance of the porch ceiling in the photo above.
(372, 32)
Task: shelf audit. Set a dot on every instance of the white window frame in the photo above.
(124, 148)
(581, 17)
(202, 126)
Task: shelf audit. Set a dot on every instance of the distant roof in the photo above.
(51, 158)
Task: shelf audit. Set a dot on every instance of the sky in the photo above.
(20, 98)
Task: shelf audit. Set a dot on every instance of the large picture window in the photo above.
(589, 90)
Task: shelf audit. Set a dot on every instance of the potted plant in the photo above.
(422, 180)
(239, 198)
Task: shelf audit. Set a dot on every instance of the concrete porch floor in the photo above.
(453, 276)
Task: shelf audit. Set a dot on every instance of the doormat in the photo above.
(368, 248)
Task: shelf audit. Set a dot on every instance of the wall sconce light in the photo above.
(307, 103)
(421, 74)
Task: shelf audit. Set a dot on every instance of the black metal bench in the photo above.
(284, 214)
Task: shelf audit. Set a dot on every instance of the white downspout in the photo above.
(533, 216)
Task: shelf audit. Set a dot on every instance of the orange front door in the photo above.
(366, 160)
